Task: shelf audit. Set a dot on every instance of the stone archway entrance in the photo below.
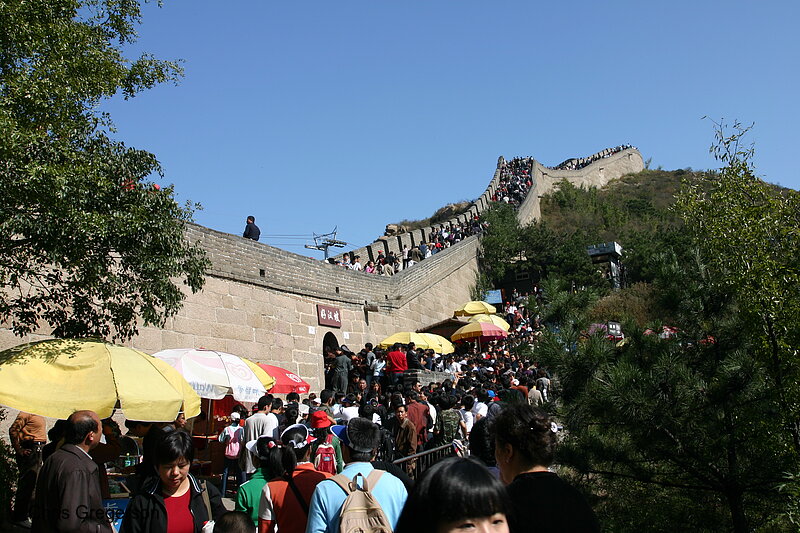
(329, 345)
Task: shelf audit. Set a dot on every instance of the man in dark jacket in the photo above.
(251, 231)
(412, 357)
(68, 489)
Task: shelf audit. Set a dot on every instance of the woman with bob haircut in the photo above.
(454, 495)
(525, 445)
(173, 500)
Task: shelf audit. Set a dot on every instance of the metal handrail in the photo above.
(415, 464)
(421, 454)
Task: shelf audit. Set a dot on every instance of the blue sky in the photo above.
(355, 114)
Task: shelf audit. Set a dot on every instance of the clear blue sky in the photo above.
(354, 113)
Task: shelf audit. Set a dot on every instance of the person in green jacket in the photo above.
(249, 495)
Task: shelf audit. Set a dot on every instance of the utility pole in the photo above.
(325, 241)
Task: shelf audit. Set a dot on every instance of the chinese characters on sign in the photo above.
(329, 316)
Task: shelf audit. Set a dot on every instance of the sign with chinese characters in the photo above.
(329, 316)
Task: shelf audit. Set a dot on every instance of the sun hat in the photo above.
(305, 437)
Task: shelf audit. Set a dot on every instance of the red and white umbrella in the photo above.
(285, 380)
(215, 374)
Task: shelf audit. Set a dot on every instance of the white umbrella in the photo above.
(215, 374)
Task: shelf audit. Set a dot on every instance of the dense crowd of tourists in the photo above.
(304, 465)
(514, 183)
(388, 264)
(578, 163)
(289, 462)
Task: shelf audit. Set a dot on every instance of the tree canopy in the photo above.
(88, 245)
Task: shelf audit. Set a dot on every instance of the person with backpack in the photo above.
(449, 424)
(326, 451)
(361, 498)
(232, 437)
(284, 501)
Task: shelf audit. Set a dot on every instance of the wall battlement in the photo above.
(261, 302)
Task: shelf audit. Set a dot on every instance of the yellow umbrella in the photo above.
(475, 308)
(55, 377)
(492, 319)
(442, 345)
(405, 337)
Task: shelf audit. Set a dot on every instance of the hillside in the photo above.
(634, 203)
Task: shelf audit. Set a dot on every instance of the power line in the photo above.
(323, 242)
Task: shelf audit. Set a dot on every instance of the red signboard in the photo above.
(329, 316)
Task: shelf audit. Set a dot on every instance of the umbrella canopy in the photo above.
(479, 330)
(285, 381)
(475, 308)
(215, 374)
(442, 345)
(56, 377)
(405, 337)
(491, 319)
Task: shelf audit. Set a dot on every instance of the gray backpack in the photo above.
(361, 512)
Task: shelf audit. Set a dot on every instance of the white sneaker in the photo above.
(23, 523)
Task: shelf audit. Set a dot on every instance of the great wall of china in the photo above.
(274, 306)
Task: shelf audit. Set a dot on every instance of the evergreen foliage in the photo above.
(698, 429)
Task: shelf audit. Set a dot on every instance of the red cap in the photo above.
(319, 419)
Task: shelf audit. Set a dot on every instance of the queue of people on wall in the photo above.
(513, 185)
(515, 181)
(390, 263)
(579, 163)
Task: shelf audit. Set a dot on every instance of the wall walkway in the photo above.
(261, 302)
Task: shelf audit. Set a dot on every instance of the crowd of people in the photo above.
(283, 457)
(514, 183)
(292, 464)
(578, 163)
(388, 264)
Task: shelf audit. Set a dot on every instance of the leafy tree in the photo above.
(87, 245)
(748, 234)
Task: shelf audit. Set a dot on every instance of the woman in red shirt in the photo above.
(172, 501)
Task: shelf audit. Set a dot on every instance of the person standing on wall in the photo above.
(251, 231)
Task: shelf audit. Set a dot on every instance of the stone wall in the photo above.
(260, 301)
(598, 174)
